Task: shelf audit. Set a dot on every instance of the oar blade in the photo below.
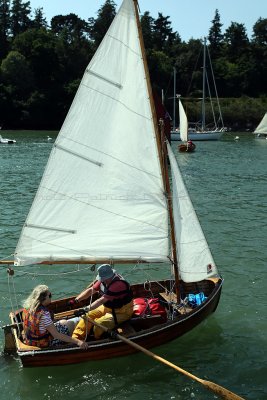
(221, 391)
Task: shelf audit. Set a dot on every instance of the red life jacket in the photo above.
(126, 294)
(31, 321)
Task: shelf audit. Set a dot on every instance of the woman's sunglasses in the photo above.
(50, 295)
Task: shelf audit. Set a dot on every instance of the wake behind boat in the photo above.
(126, 214)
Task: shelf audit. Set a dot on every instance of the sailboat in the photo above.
(261, 130)
(200, 130)
(105, 197)
(187, 145)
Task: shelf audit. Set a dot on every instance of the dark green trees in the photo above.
(42, 62)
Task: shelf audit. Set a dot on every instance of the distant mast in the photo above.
(174, 98)
(204, 87)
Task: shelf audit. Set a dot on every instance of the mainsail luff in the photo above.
(149, 88)
(170, 206)
(114, 207)
(162, 151)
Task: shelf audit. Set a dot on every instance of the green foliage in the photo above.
(20, 17)
(16, 73)
(4, 26)
(215, 36)
(39, 20)
(99, 26)
(260, 32)
(41, 66)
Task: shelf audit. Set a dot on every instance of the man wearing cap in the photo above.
(114, 306)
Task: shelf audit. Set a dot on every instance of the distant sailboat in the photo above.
(200, 131)
(187, 145)
(261, 130)
(6, 141)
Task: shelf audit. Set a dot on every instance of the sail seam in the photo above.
(57, 246)
(77, 155)
(157, 258)
(118, 101)
(109, 155)
(101, 208)
(125, 45)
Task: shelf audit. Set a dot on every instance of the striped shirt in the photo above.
(45, 321)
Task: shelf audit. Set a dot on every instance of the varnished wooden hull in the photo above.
(109, 348)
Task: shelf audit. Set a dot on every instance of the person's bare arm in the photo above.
(96, 303)
(84, 294)
(65, 338)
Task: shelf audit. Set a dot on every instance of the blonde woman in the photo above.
(38, 325)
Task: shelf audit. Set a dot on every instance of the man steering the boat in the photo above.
(114, 306)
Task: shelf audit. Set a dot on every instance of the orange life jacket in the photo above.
(31, 321)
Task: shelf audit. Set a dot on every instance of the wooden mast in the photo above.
(162, 150)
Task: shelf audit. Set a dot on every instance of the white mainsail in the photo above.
(262, 127)
(195, 260)
(183, 123)
(102, 192)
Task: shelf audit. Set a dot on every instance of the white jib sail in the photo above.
(183, 123)
(195, 260)
(102, 194)
(262, 127)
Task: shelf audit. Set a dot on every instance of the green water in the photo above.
(227, 181)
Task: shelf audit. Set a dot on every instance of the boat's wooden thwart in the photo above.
(219, 390)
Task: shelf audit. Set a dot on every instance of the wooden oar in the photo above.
(219, 390)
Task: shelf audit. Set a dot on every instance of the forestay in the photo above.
(102, 193)
(194, 257)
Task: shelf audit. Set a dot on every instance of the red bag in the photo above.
(145, 307)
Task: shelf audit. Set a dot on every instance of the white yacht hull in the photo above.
(196, 136)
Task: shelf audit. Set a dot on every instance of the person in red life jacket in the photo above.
(39, 328)
(114, 306)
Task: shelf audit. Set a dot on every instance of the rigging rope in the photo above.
(10, 273)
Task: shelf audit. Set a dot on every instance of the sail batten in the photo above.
(77, 155)
(50, 228)
(118, 85)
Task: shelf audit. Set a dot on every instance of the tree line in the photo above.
(42, 64)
